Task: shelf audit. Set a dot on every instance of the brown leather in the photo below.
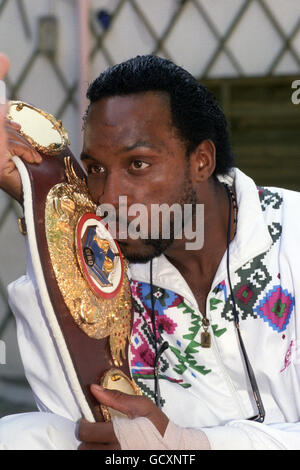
(91, 357)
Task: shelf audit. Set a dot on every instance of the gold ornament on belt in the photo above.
(74, 233)
(45, 135)
(89, 267)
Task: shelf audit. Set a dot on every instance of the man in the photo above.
(225, 328)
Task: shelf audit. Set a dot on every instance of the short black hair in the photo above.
(195, 112)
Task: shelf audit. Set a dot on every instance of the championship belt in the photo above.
(80, 271)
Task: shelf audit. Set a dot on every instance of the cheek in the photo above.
(159, 191)
(95, 186)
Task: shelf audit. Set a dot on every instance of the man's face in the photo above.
(131, 149)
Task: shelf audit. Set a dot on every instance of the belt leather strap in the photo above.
(85, 359)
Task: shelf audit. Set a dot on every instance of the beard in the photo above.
(151, 248)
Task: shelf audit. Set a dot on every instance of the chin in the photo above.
(136, 254)
(143, 251)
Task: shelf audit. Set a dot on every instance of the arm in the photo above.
(146, 427)
(41, 362)
(46, 377)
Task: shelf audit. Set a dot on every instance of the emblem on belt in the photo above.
(82, 252)
(81, 260)
(99, 256)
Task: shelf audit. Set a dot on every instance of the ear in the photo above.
(203, 161)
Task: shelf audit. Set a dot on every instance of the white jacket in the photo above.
(201, 388)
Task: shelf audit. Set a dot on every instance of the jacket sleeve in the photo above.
(249, 435)
(45, 374)
(140, 433)
(43, 367)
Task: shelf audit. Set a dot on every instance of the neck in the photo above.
(203, 263)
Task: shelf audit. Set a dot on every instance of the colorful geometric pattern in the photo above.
(184, 348)
(253, 279)
(221, 287)
(186, 358)
(276, 308)
(254, 296)
(254, 276)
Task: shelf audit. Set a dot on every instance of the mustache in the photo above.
(116, 218)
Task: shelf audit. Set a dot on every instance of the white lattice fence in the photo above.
(211, 38)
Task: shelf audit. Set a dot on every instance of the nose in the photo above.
(108, 189)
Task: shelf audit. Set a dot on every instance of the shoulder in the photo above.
(278, 199)
(281, 204)
(281, 210)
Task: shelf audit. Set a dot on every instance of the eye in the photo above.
(94, 169)
(139, 165)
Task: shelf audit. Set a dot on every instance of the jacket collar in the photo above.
(252, 238)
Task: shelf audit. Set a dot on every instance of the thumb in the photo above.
(130, 405)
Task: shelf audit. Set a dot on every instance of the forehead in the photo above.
(126, 119)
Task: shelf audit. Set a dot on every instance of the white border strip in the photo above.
(45, 299)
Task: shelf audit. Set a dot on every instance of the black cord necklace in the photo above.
(205, 338)
(158, 351)
(261, 411)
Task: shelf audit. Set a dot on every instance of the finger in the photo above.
(13, 124)
(132, 406)
(13, 129)
(96, 432)
(18, 143)
(4, 65)
(13, 133)
(23, 151)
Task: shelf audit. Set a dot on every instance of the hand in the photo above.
(10, 180)
(12, 143)
(101, 435)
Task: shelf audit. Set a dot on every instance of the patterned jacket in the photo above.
(208, 387)
(204, 388)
